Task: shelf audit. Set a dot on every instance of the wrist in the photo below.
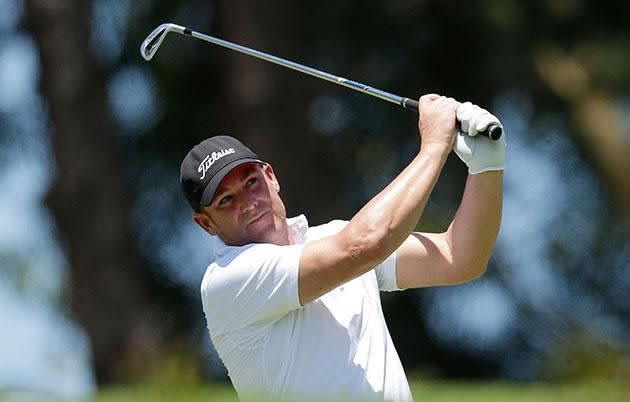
(435, 150)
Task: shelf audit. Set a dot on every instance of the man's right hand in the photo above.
(438, 115)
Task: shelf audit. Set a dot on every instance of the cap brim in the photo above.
(213, 184)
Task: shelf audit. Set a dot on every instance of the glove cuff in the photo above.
(477, 170)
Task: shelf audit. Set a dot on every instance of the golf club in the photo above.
(152, 42)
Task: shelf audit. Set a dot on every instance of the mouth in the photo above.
(257, 217)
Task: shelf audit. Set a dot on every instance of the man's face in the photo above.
(246, 208)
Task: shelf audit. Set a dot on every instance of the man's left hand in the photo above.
(478, 152)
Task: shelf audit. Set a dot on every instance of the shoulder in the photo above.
(243, 262)
(326, 229)
(253, 253)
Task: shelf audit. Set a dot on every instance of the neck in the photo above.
(284, 237)
(281, 238)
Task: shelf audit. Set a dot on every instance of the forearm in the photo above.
(474, 230)
(386, 221)
(381, 226)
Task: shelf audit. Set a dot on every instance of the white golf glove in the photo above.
(478, 152)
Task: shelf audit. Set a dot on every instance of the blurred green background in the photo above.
(100, 263)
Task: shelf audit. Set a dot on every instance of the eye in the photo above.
(251, 181)
(225, 200)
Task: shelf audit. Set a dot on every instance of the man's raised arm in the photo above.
(462, 252)
(382, 225)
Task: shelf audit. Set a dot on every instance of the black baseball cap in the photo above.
(207, 164)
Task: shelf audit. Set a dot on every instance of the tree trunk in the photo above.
(267, 106)
(108, 294)
(602, 130)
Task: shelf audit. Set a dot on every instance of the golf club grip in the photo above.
(493, 131)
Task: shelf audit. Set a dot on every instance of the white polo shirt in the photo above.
(336, 348)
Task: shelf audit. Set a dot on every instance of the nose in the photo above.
(248, 204)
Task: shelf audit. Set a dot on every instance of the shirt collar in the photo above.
(298, 226)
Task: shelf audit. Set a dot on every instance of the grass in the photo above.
(500, 392)
(430, 391)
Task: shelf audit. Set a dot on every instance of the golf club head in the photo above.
(152, 42)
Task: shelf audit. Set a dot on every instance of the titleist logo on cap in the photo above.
(210, 159)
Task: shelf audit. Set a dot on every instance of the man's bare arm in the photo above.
(462, 252)
(382, 225)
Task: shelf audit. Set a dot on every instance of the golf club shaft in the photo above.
(493, 131)
(404, 102)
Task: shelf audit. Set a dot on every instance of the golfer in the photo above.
(294, 311)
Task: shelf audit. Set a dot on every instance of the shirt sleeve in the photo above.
(386, 274)
(258, 286)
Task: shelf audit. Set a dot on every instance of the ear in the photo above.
(271, 177)
(205, 223)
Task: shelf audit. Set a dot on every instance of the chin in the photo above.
(271, 231)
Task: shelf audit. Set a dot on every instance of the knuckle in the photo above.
(428, 97)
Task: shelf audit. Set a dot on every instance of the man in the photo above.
(294, 312)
